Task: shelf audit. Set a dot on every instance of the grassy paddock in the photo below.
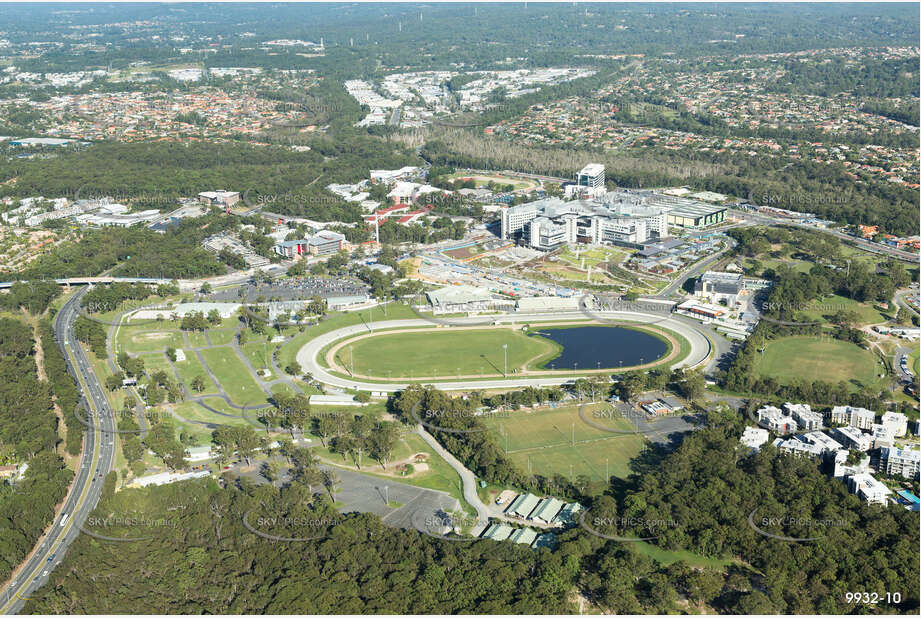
(558, 441)
(812, 358)
(233, 375)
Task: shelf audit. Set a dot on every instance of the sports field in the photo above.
(443, 352)
(811, 358)
(559, 441)
(481, 180)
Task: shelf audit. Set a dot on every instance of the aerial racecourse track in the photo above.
(325, 358)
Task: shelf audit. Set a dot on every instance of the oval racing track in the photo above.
(307, 355)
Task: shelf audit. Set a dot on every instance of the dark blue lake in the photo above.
(591, 347)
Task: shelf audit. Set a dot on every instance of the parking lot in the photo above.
(301, 288)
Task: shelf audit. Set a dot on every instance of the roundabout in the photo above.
(388, 356)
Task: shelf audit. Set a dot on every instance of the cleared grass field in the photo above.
(833, 304)
(190, 368)
(148, 338)
(197, 339)
(811, 358)
(221, 336)
(155, 362)
(191, 411)
(258, 354)
(233, 375)
(558, 441)
(443, 352)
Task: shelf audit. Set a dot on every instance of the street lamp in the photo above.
(505, 349)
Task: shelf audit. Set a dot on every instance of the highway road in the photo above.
(866, 245)
(95, 462)
(307, 355)
(900, 300)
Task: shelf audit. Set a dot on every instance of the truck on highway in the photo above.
(64, 519)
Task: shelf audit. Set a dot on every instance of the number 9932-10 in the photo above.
(873, 598)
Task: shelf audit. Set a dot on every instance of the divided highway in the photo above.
(95, 462)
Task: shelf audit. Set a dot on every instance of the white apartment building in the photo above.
(802, 412)
(882, 436)
(896, 422)
(754, 437)
(822, 441)
(868, 489)
(775, 420)
(791, 446)
(900, 462)
(853, 438)
(861, 418)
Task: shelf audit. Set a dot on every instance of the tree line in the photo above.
(28, 435)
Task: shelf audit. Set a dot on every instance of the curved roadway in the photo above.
(95, 462)
(307, 355)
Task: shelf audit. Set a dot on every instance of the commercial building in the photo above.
(410, 192)
(696, 215)
(292, 248)
(338, 303)
(615, 219)
(118, 220)
(900, 462)
(592, 175)
(325, 242)
(703, 311)
(224, 199)
(392, 176)
(719, 287)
